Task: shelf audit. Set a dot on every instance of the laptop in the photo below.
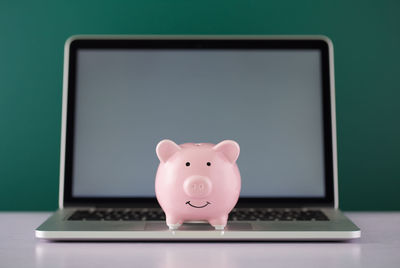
(274, 95)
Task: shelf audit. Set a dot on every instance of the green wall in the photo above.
(366, 35)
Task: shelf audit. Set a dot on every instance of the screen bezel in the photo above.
(198, 43)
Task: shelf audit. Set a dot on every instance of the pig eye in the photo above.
(187, 164)
(208, 164)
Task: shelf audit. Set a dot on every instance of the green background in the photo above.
(366, 37)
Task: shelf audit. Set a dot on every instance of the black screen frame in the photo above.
(198, 43)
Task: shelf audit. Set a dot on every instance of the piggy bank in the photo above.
(197, 181)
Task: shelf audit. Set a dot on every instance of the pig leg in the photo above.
(219, 223)
(173, 222)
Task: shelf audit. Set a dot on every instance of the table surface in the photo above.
(379, 246)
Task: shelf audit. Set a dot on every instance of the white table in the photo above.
(378, 247)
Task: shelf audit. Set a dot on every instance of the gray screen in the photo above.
(269, 101)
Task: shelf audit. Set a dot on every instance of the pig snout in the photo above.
(197, 186)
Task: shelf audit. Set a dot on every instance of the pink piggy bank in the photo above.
(197, 181)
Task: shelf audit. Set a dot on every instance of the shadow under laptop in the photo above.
(194, 255)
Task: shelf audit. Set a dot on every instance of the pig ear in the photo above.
(165, 149)
(229, 148)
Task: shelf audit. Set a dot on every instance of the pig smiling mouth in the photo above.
(207, 203)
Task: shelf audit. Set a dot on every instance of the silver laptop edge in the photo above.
(347, 230)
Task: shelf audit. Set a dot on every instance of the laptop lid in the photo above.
(273, 95)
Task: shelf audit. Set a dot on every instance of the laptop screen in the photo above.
(268, 100)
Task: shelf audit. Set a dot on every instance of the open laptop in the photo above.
(124, 94)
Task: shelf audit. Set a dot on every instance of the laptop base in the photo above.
(57, 227)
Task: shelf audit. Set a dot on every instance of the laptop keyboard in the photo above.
(236, 215)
